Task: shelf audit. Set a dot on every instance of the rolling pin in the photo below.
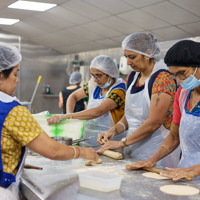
(157, 171)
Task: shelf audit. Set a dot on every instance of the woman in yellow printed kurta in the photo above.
(18, 129)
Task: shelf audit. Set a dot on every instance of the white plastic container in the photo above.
(99, 180)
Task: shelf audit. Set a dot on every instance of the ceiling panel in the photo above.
(107, 43)
(143, 19)
(170, 13)
(101, 29)
(111, 6)
(55, 21)
(193, 28)
(141, 3)
(119, 24)
(68, 15)
(192, 6)
(85, 9)
(171, 33)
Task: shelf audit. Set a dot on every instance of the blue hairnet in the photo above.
(9, 57)
(75, 78)
(106, 65)
(140, 43)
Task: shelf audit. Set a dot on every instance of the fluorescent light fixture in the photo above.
(31, 5)
(6, 21)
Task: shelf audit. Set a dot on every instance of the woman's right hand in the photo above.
(89, 154)
(54, 119)
(104, 137)
(143, 163)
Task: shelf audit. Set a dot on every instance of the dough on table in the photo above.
(154, 175)
(113, 154)
(179, 190)
(90, 162)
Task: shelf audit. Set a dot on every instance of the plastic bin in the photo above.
(99, 180)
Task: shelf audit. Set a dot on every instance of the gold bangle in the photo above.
(165, 147)
(74, 152)
(70, 115)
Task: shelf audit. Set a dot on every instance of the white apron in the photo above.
(189, 133)
(12, 192)
(95, 126)
(137, 111)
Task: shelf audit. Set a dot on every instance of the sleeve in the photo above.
(164, 83)
(85, 87)
(176, 110)
(22, 126)
(118, 96)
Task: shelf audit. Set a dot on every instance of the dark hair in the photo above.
(6, 73)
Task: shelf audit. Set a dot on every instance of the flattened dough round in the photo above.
(179, 190)
(153, 175)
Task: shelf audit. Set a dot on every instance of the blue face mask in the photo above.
(107, 84)
(191, 82)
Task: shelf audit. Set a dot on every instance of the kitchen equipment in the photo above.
(70, 141)
(100, 180)
(29, 104)
(157, 171)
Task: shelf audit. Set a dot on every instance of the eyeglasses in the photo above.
(181, 75)
(97, 76)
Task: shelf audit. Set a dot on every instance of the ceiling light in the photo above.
(6, 21)
(30, 5)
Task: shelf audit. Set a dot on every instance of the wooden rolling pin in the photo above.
(157, 171)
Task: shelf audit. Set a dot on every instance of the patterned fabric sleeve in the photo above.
(164, 83)
(21, 124)
(85, 87)
(118, 96)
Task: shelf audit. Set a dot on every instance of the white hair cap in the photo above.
(141, 43)
(9, 57)
(75, 78)
(106, 65)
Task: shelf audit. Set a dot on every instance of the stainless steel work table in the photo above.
(59, 180)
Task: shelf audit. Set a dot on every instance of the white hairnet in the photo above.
(106, 65)
(9, 57)
(140, 43)
(75, 78)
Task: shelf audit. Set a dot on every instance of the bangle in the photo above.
(70, 115)
(79, 152)
(165, 147)
(74, 152)
(122, 125)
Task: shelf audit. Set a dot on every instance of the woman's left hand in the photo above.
(109, 145)
(179, 173)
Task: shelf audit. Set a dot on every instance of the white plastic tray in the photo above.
(99, 180)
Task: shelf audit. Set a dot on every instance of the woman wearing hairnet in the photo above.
(149, 100)
(183, 60)
(74, 81)
(19, 129)
(106, 99)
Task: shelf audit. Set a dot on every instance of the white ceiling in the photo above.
(86, 25)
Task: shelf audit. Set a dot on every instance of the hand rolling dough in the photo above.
(91, 162)
(179, 190)
(112, 154)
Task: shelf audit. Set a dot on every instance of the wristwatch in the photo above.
(124, 141)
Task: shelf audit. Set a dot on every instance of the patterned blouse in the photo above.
(19, 129)
(118, 96)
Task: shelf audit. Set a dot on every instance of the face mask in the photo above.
(107, 84)
(191, 82)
